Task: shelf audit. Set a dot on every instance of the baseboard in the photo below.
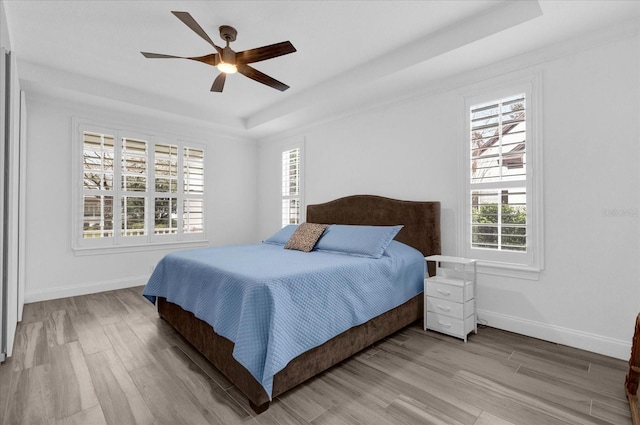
(90, 288)
(585, 341)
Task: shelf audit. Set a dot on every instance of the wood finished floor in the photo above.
(108, 359)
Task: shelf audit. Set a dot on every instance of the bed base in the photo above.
(218, 350)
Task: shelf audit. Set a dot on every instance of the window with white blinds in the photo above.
(291, 188)
(502, 218)
(98, 193)
(193, 204)
(498, 174)
(135, 190)
(134, 185)
(165, 199)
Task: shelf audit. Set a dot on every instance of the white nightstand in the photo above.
(449, 297)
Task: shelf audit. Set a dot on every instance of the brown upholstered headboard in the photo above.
(421, 220)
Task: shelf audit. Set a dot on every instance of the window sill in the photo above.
(518, 271)
(120, 249)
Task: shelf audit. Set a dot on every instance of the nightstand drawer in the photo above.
(445, 324)
(442, 323)
(445, 291)
(448, 307)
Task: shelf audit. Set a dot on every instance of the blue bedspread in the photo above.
(274, 304)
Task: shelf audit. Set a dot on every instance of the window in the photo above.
(193, 204)
(291, 186)
(134, 186)
(499, 174)
(137, 190)
(165, 198)
(502, 216)
(98, 154)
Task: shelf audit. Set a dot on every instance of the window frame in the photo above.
(155, 194)
(183, 195)
(301, 182)
(118, 242)
(512, 263)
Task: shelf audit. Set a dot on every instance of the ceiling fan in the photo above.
(228, 61)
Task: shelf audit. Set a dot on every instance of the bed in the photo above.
(420, 229)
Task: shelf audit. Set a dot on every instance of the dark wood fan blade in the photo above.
(212, 59)
(260, 77)
(218, 83)
(265, 52)
(188, 20)
(160, 56)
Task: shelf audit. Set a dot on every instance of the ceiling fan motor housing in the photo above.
(228, 56)
(228, 33)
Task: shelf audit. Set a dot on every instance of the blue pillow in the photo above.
(282, 236)
(361, 241)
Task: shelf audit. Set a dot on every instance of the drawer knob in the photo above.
(444, 307)
(442, 292)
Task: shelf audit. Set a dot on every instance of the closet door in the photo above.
(12, 201)
(5, 102)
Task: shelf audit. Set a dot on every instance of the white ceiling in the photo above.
(350, 53)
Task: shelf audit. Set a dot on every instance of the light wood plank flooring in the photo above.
(108, 359)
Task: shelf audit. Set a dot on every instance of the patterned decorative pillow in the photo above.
(305, 237)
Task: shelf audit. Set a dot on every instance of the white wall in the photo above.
(53, 269)
(589, 293)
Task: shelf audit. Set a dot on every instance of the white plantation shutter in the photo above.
(166, 190)
(498, 174)
(498, 140)
(98, 172)
(134, 186)
(291, 190)
(193, 182)
(151, 192)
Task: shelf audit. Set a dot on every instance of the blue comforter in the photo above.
(274, 304)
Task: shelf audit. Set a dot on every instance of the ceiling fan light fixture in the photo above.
(227, 68)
